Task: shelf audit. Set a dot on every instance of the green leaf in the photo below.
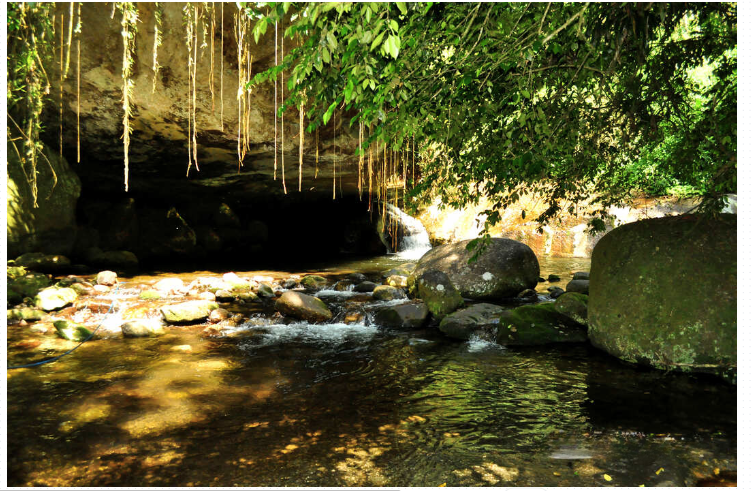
(394, 44)
(349, 90)
(402, 7)
(332, 41)
(394, 25)
(377, 41)
(329, 112)
(326, 55)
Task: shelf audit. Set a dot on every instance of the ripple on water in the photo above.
(324, 334)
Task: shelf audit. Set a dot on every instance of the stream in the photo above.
(275, 402)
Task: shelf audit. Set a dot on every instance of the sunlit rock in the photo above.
(439, 294)
(54, 298)
(193, 310)
(141, 328)
(386, 292)
(107, 278)
(305, 307)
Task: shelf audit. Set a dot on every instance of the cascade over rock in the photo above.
(664, 293)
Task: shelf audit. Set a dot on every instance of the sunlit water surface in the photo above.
(281, 403)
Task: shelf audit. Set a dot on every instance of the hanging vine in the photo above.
(30, 45)
(275, 106)
(129, 18)
(189, 27)
(78, 84)
(221, 68)
(156, 44)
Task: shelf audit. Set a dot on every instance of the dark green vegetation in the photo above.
(570, 100)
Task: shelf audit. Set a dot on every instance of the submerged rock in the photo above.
(386, 292)
(538, 324)
(574, 305)
(188, 311)
(504, 269)
(342, 286)
(439, 294)
(464, 323)
(301, 306)
(53, 298)
(356, 278)
(407, 316)
(289, 284)
(72, 332)
(554, 277)
(141, 328)
(665, 293)
(528, 295)
(555, 291)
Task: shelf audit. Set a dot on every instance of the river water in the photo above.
(279, 403)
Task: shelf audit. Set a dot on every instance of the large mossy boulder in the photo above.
(462, 324)
(538, 324)
(406, 316)
(439, 294)
(313, 282)
(54, 298)
(193, 310)
(664, 293)
(504, 269)
(301, 306)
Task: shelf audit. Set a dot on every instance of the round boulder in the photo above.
(664, 293)
(305, 307)
(141, 329)
(578, 286)
(504, 269)
(386, 292)
(53, 298)
(107, 278)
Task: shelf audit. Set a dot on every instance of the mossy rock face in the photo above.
(504, 269)
(72, 332)
(16, 272)
(397, 281)
(313, 282)
(531, 325)
(29, 284)
(439, 294)
(462, 324)
(193, 310)
(664, 293)
(54, 298)
(26, 314)
(574, 305)
(150, 295)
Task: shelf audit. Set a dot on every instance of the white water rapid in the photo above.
(414, 242)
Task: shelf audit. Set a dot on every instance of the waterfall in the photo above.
(413, 238)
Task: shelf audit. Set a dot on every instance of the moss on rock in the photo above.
(538, 324)
(574, 305)
(664, 293)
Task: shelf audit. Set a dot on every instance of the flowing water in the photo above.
(273, 402)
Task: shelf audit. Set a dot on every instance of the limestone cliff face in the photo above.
(158, 152)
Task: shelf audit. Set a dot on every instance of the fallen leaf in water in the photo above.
(661, 469)
(442, 485)
(607, 477)
(557, 474)
(716, 471)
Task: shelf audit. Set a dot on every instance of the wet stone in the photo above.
(107, 278)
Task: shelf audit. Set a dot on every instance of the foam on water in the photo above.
(477, 343)
(334, 334)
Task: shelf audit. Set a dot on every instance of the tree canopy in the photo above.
(570, 100)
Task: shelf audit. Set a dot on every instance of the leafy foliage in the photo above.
(568, 100)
